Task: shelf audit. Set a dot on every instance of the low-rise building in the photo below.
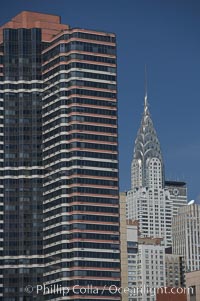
(132, 250)
(171, 294)
(123, 246)
(151, 267)
(146, 264)
(174, 269)
(193, 283)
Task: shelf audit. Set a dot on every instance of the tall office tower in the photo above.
(148, 201)
(186, 235)
(59, 159)
(178, 194)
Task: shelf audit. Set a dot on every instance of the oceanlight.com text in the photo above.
(108, 290)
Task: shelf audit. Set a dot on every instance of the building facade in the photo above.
(132, 251)
(193, 283)
(148, 201)
(146, 265)
(171, 295)
(174, 269)
(123, 246)
(151, 268)
(186, 235)
(59, 159)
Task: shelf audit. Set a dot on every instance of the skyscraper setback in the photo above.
(59, 158)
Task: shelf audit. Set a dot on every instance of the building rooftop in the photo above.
(50, 24)
(175, 183)
(149, 241)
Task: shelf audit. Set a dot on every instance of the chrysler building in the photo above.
(149, 201)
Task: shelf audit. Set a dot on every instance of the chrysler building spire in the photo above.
(145, 89)
(147, 165)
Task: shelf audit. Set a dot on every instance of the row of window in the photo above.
(77, 91)
(67, 37)
(68, 138)
(82, 145)
(82, 245)
(83, 199)
(79, 128)
(21, 172)
(81, 263)
(81, 181)
(82, 273)
(87, 36)
(80, 227)
(22, 182)
(85, 208)
(78, 65)
(80, 190)
(20, 111)
(100, 164)
(33, 34)
(26, 121)
(71, 74)
(83, 217)
(79, 172)
(83, 83)
(78, 45)
(84, 282)
(20, 86)
(79, 56)
(77, 109)
(85, 154)
(81, 236)
(21, 261)
(73, 100)
(22, 96)
(71, 119)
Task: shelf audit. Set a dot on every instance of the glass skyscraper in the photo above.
(58, 161)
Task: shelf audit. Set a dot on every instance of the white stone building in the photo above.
(151, 268)
(186, 235)
(148, 201)
(146, 265)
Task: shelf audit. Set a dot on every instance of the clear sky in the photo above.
(165, 35)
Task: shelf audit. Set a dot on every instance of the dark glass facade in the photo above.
(21, 168)
(59, 163)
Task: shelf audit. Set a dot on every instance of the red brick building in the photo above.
(171, 294)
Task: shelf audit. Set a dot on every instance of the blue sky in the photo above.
(165, 35)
